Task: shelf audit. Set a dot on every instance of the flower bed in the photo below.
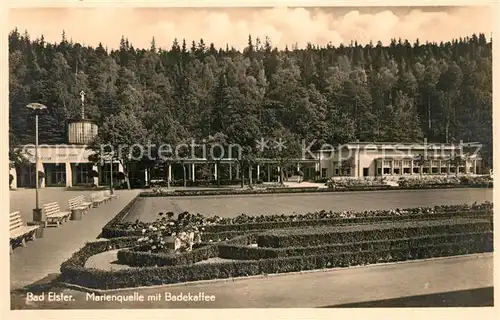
(348, 183)
(445, 181)
(368, 232)
(217, 228)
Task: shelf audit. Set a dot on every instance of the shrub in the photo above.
(242, 252)
(74, 272)
(359, 233)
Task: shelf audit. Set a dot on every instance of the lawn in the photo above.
(146, 209)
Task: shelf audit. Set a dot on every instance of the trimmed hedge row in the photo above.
(334, 221)
(244, 252)
(359, 233)
(110, 230)
(183, 193)
(74, 272)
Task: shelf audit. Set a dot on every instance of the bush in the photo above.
(11, 178)
(374, 232)
(242, 252)
(74, 272)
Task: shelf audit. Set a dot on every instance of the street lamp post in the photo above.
(111, 173)
(37, 212)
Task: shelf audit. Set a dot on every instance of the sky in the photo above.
(284, 26)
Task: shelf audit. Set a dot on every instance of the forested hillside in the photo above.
(400, 93)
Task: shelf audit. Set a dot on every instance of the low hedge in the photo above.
(110, 230)
(138, 258)
(219, 228)
(142, 258)
(244, 252)
(220, 192)
(74, 272)
(365, 232)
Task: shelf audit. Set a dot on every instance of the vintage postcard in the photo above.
(280, 156)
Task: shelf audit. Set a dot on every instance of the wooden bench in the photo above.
(105, 196)
(79, 203)
(96, 199)
(19, 231)
(54, 215)
(107, 193)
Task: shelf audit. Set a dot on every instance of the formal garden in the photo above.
(187, 247)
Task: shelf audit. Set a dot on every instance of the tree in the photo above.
(119, 137)
(285, 148)
(397, 93)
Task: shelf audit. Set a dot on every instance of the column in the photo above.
(268, 172)
(237, 171)
(170, 172)
(401, 167)
(230, 171)
(215, 170)
(13, 172)
(298, 166)
(382, 167)
(411, 166)
(69, 174)
(392, 167)
(146, 177)
(440, 164)
(258, 172)
(95, 180)
(449, 167)
(192, 172)
(279, 174)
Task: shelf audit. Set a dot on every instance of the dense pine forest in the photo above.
(401, 92)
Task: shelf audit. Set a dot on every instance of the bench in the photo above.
(105, 196)
(107, 193)
(54, 215)
(79, 203)
(19, 231)
(97, 199)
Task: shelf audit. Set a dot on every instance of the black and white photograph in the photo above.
(250, 157)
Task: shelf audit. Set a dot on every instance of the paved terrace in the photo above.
(42, 258)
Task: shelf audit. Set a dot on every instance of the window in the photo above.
(387, 163)
(387, 170)
(426, 170)
(336, 172)
(435, 170)
(323, 172)
(397, 171)
(406, 170)
(406, 163)
(444, 169)
(366, 172)
(379, 171)
(105, 173)
(416, 170)
(397, 163)
(83, 171)
(57, 175)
